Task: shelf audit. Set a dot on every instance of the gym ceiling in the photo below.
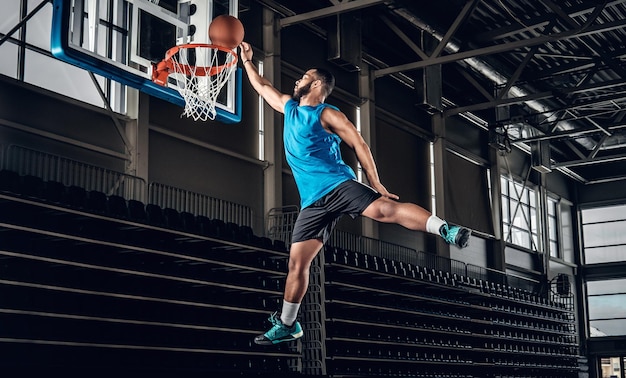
(546, 74)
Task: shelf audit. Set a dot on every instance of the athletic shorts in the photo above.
(318, 220)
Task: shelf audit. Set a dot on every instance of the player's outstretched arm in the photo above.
(260, 84)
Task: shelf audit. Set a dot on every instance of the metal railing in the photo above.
(374, 247)
(200, 204)
(70, 172)
(370, 246)
(280, 223)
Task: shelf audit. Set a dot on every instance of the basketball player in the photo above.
(327, 186)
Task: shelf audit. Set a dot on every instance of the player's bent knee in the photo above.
(383, 209)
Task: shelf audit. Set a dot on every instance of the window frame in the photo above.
(558, 236)
(530, 217)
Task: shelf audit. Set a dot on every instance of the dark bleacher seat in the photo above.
(31, 186)
(137, 211)
(188, 222)
(279, 245)
(171, 218)
(217, 228)
(246, 235)
(339, 255)
(264, 242)
(375, 263)
(154, 214)
(96, 202)
(362, 260)
(231, 231)
(9, 181)
(76, 197)
(116, 207)
(203, 225)
(54, 191)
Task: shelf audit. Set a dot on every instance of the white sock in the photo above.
(289, 313)
(433, 224)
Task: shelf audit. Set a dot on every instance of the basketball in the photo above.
(226, 30)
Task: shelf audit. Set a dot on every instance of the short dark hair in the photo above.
(327, 79)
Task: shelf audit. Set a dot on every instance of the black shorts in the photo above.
(318, 220)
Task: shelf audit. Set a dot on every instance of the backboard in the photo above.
(122, 39)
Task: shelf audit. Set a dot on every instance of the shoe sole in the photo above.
(462, 239)
(293, 337)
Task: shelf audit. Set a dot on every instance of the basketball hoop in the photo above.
(199, 72)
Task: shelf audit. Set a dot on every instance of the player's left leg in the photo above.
(285, 327)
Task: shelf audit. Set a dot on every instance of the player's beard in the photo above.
(302, 91)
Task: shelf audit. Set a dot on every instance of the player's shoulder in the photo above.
(331, 112)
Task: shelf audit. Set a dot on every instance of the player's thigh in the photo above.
(381, 209)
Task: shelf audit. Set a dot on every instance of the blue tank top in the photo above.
(313, 153)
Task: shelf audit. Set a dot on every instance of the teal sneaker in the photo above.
(279, 332)
(455, 235)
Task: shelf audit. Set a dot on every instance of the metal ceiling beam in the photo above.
(605, 180)
(329, 11)
(518, 72)
(460, 18)
(498, 103)
(589, 161)
(556, 135)
(406, 39)
(475, 83)
(537, 22)
(594, 15)
(543, 95)
(575, 149)
(617, 125)
(595, 151)
(599, 100)
(568, 68)
(581, 64)
(503, 47)
(561, 13)
(599, 127)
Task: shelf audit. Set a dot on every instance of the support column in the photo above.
(544, 240)
(273, 129)
(137, 132)
(367, 121)
(496, 252)
(439, 152)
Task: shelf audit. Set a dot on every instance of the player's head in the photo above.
(313, 78)
(327, 79)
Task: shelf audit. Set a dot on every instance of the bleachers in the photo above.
(131, 286)
(391, 318)
(89, 280)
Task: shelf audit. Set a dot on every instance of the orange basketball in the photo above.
(226, 30)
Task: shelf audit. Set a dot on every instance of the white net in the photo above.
(200, 73)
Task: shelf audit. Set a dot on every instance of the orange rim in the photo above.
(166, 65)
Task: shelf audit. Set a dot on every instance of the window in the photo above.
(610, 367)
(553, 227)
(519, 215)
(604, 239)
(38, 63)
(607, 307)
